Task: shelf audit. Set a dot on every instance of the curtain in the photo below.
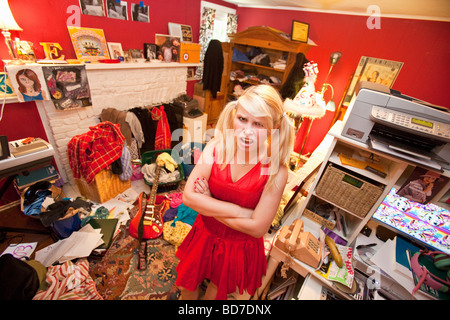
(232, 23)
(206, 32)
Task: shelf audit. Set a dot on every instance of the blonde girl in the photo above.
(236, 188)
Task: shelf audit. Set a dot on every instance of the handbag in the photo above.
(428, 276)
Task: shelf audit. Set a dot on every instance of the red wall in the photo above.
(422, 45)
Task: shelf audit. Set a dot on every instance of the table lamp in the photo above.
(7, 22)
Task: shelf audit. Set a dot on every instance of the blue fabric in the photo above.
(185, 214)
(239, 56)
(34, 208)
(125, 159)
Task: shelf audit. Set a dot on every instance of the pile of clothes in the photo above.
(178, 219)
(101, 147)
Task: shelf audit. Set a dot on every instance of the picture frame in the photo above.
(115, 50)
(25, 50)
(300, 31)
(136, 55)
(150, 51)
(169, 47)
(89, 43)
(181, 30)
(186, 33)
(373, 70)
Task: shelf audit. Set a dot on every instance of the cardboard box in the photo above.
(189, 52)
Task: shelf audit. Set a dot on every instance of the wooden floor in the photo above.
(17, 228)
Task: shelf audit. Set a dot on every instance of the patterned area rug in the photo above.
(117, 277)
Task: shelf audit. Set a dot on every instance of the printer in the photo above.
(405, 127)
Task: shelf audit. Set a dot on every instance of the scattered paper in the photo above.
(79, 245)
(20, 250)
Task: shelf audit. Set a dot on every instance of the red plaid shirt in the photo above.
(95, 150)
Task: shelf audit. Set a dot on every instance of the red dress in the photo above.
(228, 258)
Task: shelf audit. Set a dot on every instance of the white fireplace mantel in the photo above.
(117, 85)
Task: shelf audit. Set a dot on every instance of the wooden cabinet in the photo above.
(272, 42)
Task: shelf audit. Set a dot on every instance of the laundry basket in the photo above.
(150, 157)
(105, 186)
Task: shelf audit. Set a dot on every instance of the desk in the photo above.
(16, 164)
(12, 166)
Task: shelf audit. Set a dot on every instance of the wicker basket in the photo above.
(318, 219)
(106, 185)
(348, 191)
(149, 157)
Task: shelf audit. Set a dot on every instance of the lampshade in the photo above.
(7, 21)
(335, 56)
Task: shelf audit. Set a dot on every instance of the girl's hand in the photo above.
(201, 186)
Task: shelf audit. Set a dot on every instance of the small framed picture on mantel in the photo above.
(300, 31)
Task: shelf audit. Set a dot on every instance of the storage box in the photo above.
(189, 52)
(318, 219)
(106, 185)
(348, 191)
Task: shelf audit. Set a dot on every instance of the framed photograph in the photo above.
(115, 50)
(89, 44)
(117, 9)
(25, 50)
(150, 51)
(181, 30)
(169, 47)
(300, 31)
(373, 70)
(139, 12)
(136, 55)
(92, 8)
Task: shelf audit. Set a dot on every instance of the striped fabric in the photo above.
(69, 281)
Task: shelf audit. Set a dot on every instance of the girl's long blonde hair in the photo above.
(260, 101)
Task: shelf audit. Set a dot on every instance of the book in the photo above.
(47, 173)
(108, 229)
